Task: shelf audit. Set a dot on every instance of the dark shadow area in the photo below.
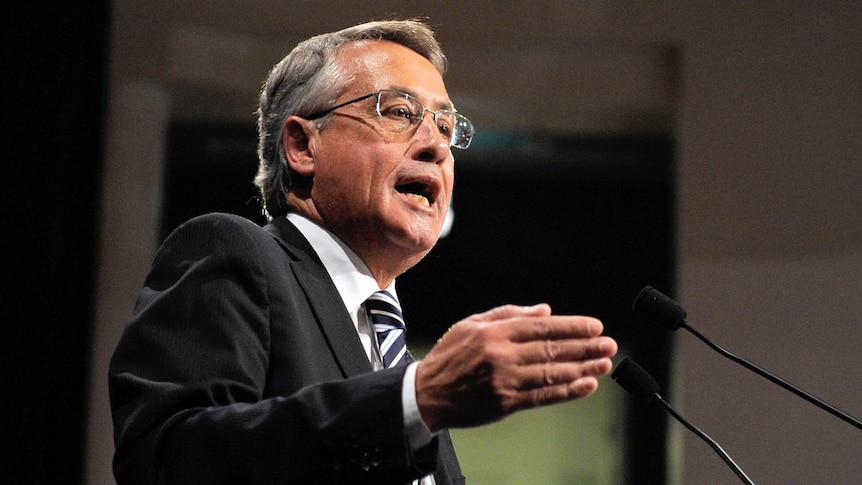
(54, 78)
(209, 168)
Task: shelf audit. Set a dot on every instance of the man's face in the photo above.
(385, 194)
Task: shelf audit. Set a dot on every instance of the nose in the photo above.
(431, 146)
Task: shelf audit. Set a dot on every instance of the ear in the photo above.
(296, 138)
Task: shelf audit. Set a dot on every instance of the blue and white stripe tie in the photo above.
(388, 324)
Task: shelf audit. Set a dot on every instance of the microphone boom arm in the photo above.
(714, 444)
(775, 379)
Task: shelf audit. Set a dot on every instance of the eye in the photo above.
(445, 129)
(445, 124)
(398, 111)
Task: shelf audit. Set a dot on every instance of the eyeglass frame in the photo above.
(458, 116)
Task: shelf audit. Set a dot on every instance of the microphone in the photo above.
(637, 381)
(666, 312)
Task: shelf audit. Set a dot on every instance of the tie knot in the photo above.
(384, 310)
(385, 315)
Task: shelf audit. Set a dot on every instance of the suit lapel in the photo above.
(323, 298)
(336, 325)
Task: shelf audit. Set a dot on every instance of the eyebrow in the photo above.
(436, 107)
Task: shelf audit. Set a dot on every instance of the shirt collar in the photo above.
(348, 272)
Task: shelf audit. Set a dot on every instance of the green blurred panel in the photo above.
(575, 443)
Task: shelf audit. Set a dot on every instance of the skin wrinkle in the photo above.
(552, 349)
(549, 374)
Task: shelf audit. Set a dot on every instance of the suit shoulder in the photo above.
(217, 232)
(217, 224)
(219, 220)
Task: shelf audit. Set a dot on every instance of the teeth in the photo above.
(419, 198)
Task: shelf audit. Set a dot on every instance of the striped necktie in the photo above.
(385, 314)
(388, 324)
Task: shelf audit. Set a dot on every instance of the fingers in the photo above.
(577, 349)
(553, 328)
(544, 396)
(530, 377)
(527, 323)
(542, 385)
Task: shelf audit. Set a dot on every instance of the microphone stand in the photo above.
(775, 379)
(665, 311)
(715, 446)
(634, 379)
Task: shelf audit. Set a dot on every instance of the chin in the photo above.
(420, 237)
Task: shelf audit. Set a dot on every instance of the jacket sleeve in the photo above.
(189, 382)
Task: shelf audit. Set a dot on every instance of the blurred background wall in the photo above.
(763, 102)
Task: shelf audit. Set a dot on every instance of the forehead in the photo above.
(381, 64)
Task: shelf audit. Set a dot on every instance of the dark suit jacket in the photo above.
(240, 364)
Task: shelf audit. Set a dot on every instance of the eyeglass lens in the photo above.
(400, 112)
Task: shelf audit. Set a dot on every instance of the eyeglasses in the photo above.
(400, 112)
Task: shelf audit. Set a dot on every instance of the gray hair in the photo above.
(309, 79)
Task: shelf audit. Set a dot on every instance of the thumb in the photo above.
(511, 311)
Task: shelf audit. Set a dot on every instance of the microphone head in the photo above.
(659, 308)
(635, 380)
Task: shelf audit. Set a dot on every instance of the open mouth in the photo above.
(417, 191)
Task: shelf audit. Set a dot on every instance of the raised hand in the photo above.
(510, 358)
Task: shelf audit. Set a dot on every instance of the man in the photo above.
(252, 355)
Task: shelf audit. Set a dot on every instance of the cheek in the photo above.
(342, 170)
(449, 180)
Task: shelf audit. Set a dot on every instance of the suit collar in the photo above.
(322, 296)
(291, 240)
